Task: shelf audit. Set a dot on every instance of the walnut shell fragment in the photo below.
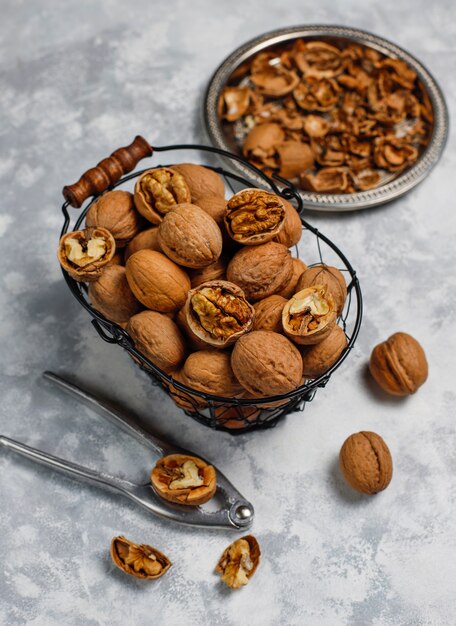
(310, 315)
(116, 212)
(184, 479)
(83, 254)
(239, 562)
(261, 271)
(156, 281)
(190, 236)
(266, 363)
(112, 297)
(158, 338)
(201, 181)
(262, 140)
(254, 216)
(399, 365)
(157, 191)
(318, 358)
(365, 462)
(218, 313)
(294, 157)
(330, 277)
(139, 560)
(233, 103)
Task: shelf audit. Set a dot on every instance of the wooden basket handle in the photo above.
(107, 172)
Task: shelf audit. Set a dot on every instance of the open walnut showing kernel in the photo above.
(157, 191)
(254, 216)
(310, 315)
(218, 313)
(239, 562)
(84, 253)
(184, 479)
(138, 560)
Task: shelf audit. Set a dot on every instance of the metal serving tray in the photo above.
(394, 186)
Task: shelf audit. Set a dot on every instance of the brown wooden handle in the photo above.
(107, 172)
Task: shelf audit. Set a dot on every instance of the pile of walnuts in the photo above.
(207, 288)
(332, 119)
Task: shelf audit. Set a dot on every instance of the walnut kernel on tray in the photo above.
(331, 119)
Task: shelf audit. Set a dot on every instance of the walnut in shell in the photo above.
(266, 363)
(184, 479)
(218, 313)
(215, 206)
(261, 271)
(236, 417)
(254, 216)
(299, 267)
(292, 227)
(116, 212)
(156, 281)
(239, 562)
(157, 191)
(145, 240)
(210, 371)
(138, 560)
(268, 313)
(190, 237)
(85, 253)
(201, 181)
(158, 338)
(309, 316)
(318, 358)
(365, 462)
(399, 365)
(328, 276)
(112, 297)
(215, 271)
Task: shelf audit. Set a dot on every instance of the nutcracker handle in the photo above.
(107, 172)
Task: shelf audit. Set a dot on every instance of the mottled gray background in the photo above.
(77, 80)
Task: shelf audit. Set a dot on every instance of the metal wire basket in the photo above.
(234, 415)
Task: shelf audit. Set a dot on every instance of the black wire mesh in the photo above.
(234, 415)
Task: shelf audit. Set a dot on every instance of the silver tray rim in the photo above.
(399, 186)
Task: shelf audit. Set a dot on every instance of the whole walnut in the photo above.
(318, 358)
(210, 371)
(112, 297)
(291, 232)
(215, 206)
(156, 281)
(190, 237)
(299, 267)
(116, 212)
(261, 271)
(266, 363)
(215, 271)
(158, 338)
(268, 313)
(145, 240)
(399, 365)
(200, 180)
(365, 462)
(329, 277)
